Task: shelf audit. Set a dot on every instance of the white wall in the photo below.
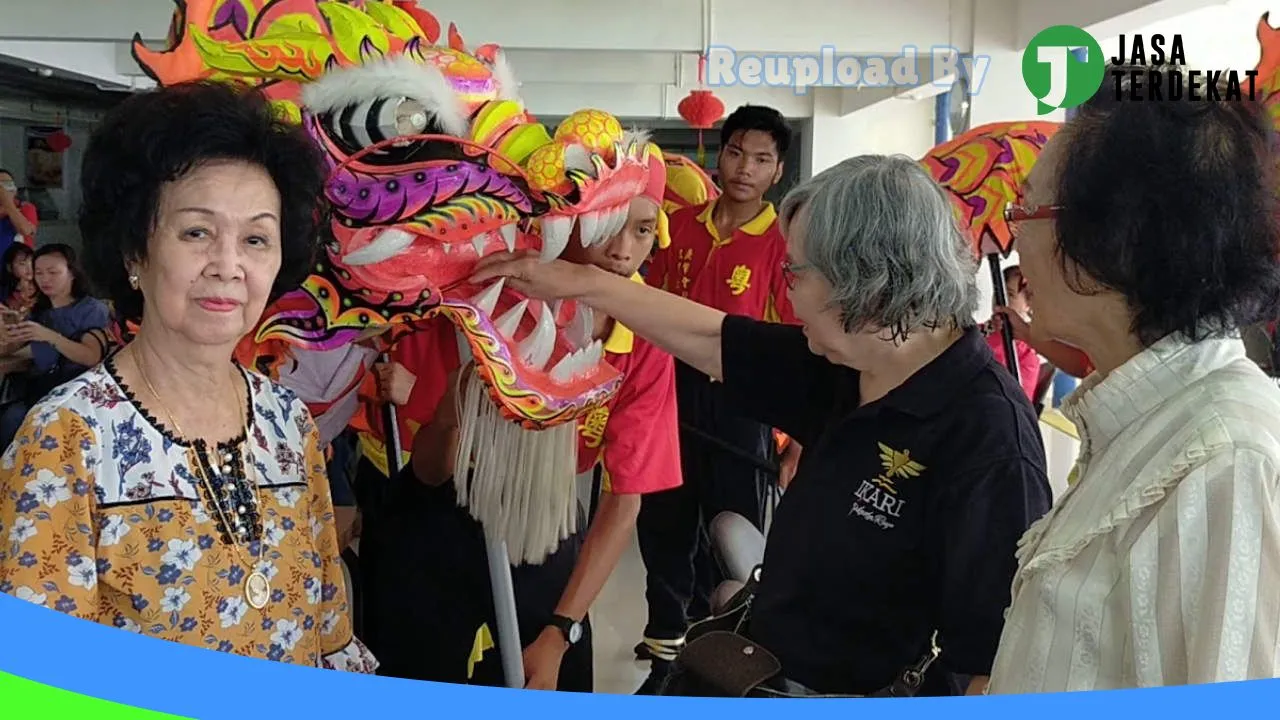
(886, 128)
(1100, 17)
(650, 101)
(1003, 95)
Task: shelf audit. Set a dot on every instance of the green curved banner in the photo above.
(20, 698)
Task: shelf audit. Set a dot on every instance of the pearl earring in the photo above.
(133, 281)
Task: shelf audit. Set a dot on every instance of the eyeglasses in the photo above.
(1014, 212)
(789, 271)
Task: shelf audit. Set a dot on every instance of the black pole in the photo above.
(1006, 329)
(390, 432)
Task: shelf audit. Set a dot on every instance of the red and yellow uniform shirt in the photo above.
(430, 354)
(739, 275)
(635, 436)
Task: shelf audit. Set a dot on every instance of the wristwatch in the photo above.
(571, 629)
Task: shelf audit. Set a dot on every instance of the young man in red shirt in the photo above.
(728, 254)
(437, 604)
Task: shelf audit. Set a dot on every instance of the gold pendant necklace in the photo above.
(257, 587)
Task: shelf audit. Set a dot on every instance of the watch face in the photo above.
(575, 633)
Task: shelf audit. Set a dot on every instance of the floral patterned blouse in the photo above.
(106, 515)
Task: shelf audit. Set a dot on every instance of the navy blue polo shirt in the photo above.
(904, 514)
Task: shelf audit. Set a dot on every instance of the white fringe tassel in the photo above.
(522, 487)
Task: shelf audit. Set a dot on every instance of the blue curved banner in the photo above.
(96, 661)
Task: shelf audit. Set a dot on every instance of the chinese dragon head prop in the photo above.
(982, 170)
(433, 164)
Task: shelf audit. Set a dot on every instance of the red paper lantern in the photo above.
(58, 141)
(701, 109)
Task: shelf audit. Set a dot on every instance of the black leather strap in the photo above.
(566, 625)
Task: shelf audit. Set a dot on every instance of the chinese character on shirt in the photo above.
(593, 426)
(739, 280)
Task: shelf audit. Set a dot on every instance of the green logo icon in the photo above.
(1055, 74)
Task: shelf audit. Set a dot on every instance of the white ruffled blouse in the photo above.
(1161, 565)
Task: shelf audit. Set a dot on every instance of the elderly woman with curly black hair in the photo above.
(168, 491)
(1148, 233)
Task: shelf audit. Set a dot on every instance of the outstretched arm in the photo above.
(687, 330)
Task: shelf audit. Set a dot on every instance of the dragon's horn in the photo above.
(428, 22)
(455, 39)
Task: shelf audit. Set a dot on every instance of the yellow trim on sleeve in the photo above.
(771, 314)
(621, 340)
(606, 480)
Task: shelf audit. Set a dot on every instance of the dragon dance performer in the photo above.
(440, 600)
(728, 254)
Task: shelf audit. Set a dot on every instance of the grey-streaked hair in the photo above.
(884, 234)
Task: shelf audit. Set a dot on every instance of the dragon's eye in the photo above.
(411, 117)
(374, 121)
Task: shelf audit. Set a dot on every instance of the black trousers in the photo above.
(371, 489)
(681, 571)
(429, 592)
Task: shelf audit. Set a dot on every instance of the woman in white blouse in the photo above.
(1148, 236)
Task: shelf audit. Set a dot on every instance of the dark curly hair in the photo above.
(1172, 204)
(156, 137)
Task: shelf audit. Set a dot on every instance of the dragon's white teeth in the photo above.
(594, 352)
(613, 224)
(609, 227)
(536, 349)
(622, 218)
(564, 370)
(510, 320)
(555, 236)
(508, 233)
(487, 299)
(581, 327)
(448, 249)
(388, 244)
(605, 230)
(578, 363)
(589, 227)
(478, 242)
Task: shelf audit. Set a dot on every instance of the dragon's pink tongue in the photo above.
(397, 260)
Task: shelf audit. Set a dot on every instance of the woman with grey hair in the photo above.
(923, 463)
